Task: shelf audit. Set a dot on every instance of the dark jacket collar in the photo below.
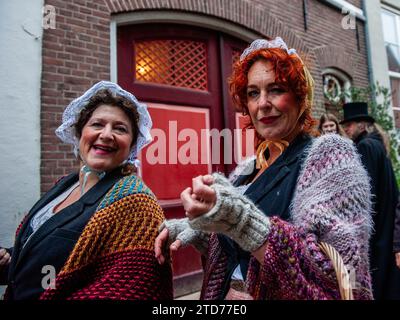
(277, 171)
(360, 137)
(67, 214)
(365, 135)
(293, 151)
(88, 198)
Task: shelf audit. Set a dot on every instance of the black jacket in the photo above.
(385, 274)
(54, 240)
(396, 232)
(272, 193)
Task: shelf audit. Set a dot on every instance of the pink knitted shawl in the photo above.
(331, 204)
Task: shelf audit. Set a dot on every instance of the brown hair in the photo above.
(374, 127)
(289, 72)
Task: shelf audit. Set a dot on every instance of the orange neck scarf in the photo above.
(263, 163)
(276, 148)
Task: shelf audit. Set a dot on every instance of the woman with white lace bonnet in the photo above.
(293, 219)
(95, 229)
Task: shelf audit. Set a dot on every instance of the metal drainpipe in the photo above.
(368, 43)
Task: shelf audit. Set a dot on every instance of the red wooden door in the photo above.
(180, 73)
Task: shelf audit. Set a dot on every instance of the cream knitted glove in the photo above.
(235, 216)
(179, 229)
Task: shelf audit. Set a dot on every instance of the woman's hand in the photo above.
(397, 255)
(5, 258)
(199, 199)
(175, 234)
(161, 243)
(222, 209)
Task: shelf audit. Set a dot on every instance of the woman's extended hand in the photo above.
(196, 201)
(161, 243)
(397, 255)
(199, 199)
(5, 258)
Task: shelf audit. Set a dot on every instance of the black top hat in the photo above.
(356, 111)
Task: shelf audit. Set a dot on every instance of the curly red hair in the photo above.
(289, 72)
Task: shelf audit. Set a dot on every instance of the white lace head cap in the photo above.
(66, 131)
(267, 44)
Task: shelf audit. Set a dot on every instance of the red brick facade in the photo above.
(77, 53)
(357, 3)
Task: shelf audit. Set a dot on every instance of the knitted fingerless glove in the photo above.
(235, 216)
(179, 229)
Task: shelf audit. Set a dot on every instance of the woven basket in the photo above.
(342, 275)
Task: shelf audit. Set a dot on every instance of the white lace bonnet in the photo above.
(66, 131)
(267, 44)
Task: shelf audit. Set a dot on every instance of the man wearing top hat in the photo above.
(373, 146)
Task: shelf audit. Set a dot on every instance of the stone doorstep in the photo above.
(188, 285)
(192, 296)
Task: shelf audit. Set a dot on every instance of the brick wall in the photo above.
(76, 54)
(332, 45)
(357, 3)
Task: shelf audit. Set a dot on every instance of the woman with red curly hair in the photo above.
(292, 222)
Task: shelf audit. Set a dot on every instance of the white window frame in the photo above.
(397, 76)
(396, 14)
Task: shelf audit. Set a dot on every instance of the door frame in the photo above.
(217, 100)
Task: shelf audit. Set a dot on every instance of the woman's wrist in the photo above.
(235, 216)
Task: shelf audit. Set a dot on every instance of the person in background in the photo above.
(328, 123)
(396, 235)
(95, 229)
(373, 146)
(263, 230)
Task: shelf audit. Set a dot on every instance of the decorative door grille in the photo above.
(179, 63)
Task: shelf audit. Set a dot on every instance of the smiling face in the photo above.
(106, 138)
(329, 127)
(272, 108)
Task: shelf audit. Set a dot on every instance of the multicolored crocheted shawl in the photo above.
(114, 256)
